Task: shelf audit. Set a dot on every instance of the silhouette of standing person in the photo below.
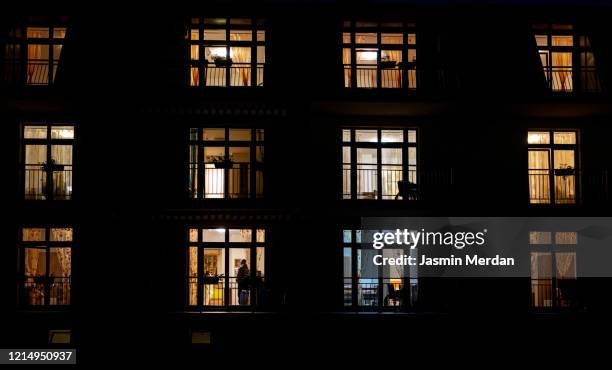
(242, 278)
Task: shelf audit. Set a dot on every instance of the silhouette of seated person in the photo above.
(397, 295)
(407, 190)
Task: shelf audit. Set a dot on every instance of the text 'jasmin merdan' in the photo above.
(415, 238)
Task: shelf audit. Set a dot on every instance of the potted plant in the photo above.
(221, 162)
(222, 61)
(564, 171)
(52, 166)
(386, 63)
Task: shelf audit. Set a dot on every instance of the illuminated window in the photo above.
(45, 266)
(367, 286)
(379, 164)
(226, 267)
(47, 161)
(567, 59)
(379, 55)
(552, 159)
(226, 52)
(226, 163)
(553, 268)
(32, 53)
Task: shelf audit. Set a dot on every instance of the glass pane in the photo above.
(35, 262)
(261, 35)
(62, 132)
(241, 35)
(347, 262)
(562, 41)
(240, 54)
(366, 38)
(241, 21)
(538, 159)
(37, 32)
(239, 134)
(564, 159)
(392, 38)
(240, 276)
(541, 40)
(213, 134)
(240, 236)
(346, 37)
(412, 39)
(60, 262)
(61, 155)
(566, 237)
(193, 261)
(412, 137)
(259, 135)
(213, 235)
(33, 234)
(59, 32)
(541, 265)
(366, 136)
(193, 235)
(215, 35)
(347, 236)
(346, 135)
(35, 154)
(35, 132)
(214, 286)
(240, 154)
(217, 21)
(566, 265)
(391, 156)
(61, 235)
(367, 56)
(346, 154)
(540, 237)
(260, 264)
(194, 34)
(564, 138)
(392, 136)
(538, 137)
(261, 235)
(366, 156)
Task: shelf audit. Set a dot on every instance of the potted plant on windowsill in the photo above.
(564, 171)
(387, 63)
(52, 166)
(221, 162)
(221, 61)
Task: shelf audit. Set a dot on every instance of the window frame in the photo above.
(201, 64)
(408, 69)
(550, 149)
(226, 246)
(404, 145)
(196, 185)
(48, 142)
(47, 246)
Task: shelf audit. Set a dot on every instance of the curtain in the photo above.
(566, 265)
(539, 176)
(346, 62)
(565, 183)
(391, 78)
(562, 71)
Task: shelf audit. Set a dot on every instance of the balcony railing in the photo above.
(42, 183)
(44, 291)
(563, 79)
(219, 292)
(366, 76)
(220, 183)
(236, 74)
(381, 293)
(394, 183)
(564, 186)
(554, 293)
(32, 72)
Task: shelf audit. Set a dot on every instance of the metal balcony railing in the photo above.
(44, 183)
(371, 77)
(569, 79)
(240, 181)
(32, 72)
(391, 182)
(380, 293)
(236, 74)
(222, 292)
(45, 291)
(566, 186)
(554, 293)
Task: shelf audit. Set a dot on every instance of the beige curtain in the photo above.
(562, 71)
(566, 265)
(539, 176)
(346, 62)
